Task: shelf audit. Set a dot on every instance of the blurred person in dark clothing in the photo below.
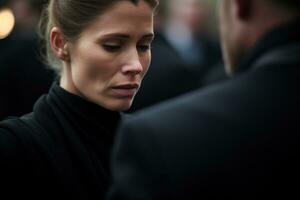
(23, 79)
(188, 30)
(27, 14)
(168, 75)
(23, 75)
(4, 39)
(184, 54)
(235, 140)
(3, 3)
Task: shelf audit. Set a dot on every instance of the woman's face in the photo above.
(109, 60)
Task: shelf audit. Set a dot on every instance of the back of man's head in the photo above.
(245, 22)
(293, 6)
(37, 5)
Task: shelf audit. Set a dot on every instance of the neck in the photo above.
(66, 80)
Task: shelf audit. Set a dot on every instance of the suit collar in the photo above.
(275, 40)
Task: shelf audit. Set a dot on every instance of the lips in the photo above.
(125, 90)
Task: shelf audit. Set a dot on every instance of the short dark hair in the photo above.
(72, 17)
(293, 5)
(37, 5)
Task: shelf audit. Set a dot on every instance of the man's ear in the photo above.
(58, 45)
(243, 8)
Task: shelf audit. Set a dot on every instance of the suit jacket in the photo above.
(236, 140)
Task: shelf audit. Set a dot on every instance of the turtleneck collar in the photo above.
(83, 129)
(85, 110)
(276, 38)
(77, 116)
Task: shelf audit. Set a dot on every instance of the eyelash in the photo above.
(111, 48)
(116, 48)
(145, 48)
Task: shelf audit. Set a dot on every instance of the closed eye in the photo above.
(144, 48)
(111, 48)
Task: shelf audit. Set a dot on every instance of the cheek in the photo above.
(145, 61)
(94, 65)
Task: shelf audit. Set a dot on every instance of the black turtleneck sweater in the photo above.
(59, 151)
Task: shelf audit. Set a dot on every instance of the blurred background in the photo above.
(23, 75)
(186, 54)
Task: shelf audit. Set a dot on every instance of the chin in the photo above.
(121, 105)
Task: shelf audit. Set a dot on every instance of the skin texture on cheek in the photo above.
(91, 65)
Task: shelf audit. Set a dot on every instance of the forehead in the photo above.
(123, 16)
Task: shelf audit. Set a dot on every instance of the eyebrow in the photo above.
(124, 36)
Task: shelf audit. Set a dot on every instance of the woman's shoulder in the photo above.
(17, 151)
(23, 138)
(24, 129)
(27, 133)
(11, 144)
(14, 125)
(17, 132)
(10, 127)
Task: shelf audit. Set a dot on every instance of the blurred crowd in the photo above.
(186, 55)
(23, 75)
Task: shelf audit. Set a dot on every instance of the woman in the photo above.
(101, 51)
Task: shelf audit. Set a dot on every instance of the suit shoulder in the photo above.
(221, 100)
(11, 146)
(184, 104)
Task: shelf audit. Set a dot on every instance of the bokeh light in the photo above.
(7, 22)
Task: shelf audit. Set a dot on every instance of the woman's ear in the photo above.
(58, 45)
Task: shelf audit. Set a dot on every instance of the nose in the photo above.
(133, 65)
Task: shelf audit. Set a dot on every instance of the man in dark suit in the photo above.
(235, 140)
